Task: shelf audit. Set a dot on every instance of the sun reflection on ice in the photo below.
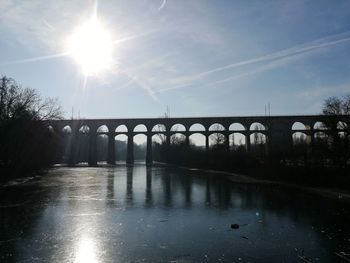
(86, 251)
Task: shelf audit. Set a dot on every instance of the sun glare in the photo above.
(91, 46)
(86, 251)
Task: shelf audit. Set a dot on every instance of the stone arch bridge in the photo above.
(277, 129)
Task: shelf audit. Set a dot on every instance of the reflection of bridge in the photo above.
(277, 129)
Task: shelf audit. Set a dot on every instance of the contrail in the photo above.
(162, 5)
(143, 85)
(35, 59)
(262, 68)
(307, 47)
(48, 24)
(275, 56)
(117, 41)
(95, 7)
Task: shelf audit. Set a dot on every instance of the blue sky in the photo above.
(201, 58)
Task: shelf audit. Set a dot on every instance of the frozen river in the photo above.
(165, 214)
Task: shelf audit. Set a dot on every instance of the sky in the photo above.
(199, 58)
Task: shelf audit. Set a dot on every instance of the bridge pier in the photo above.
(187, 140)
(247, 142)
(93, 149)
(227, 143)
(206, 143)
(73, 148)
(130, 149)
(149, 159)
(111, 149)
(167, 146)
(167, 139)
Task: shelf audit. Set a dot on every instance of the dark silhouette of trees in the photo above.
(26, 145)
(334, 145)
(25, 103)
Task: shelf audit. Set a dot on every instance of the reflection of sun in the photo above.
(86, 251)
(91, 46)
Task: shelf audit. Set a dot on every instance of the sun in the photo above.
(91, 46)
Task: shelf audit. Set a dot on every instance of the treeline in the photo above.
(325, 164)
(26, 146)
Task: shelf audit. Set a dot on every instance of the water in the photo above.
(165, 214)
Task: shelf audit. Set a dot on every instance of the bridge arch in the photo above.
(101, 147)
(257, 126)
(177, 138)
(236, 127)
(67, 129)
(258, 138)
(102, 129)
(197, 127)
(159, 138)
(121, 128)
(341, 125)
(197, 140)
(83, 144)
(299, 126)
(140, 144)
(50, 129)
(216, 139)
(121, 147)
(320, 136)
(258, 144)
(84, 129)
(178, 128)
(160, 128)
(237, 141)
(159, 151)
(319, 125)
(140, 128)
(217, 127)
(300, 138)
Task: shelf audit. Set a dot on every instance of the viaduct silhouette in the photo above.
(277, 129)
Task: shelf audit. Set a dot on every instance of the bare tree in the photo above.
(336, 106)
(218, 138)
(17, 102)
(259, 138)
(160, 128)
(177, 139)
